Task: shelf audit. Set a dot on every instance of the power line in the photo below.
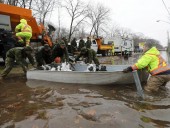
(166, 7)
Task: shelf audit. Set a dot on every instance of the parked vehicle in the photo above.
(103, 46)
(94, 45)
(123, 45)
(99, 45)
(6, 42)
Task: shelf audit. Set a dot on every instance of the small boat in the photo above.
(80, 75)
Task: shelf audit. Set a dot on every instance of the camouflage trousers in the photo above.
(155, 82)
(96, 61)
(9, 64)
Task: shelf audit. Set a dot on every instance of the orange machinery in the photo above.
(103, 48)
(17, 13)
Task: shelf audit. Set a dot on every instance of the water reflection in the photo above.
(40, 104)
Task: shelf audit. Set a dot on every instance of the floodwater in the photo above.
(40, 104)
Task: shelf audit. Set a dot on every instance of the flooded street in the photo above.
(40, 104)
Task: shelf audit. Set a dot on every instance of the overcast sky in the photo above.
(141, 16)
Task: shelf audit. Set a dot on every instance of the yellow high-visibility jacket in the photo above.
(24, 27)
(152, 61)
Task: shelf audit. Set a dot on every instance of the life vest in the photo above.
(162, 66)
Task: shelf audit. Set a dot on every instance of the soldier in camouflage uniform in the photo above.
(88, 43)
(43, 55)
(60, 50)
(73, 46)
(18, 54)
(89, 55)
(81, 44)
(65, 41)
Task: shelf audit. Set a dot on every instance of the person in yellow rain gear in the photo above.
(23, 30)
(153, 62)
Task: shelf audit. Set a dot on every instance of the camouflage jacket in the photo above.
(81, 44)
(90, 55)
(19, 55)
(57, 51)
(88, 44)
(42, 54)
(74, 43)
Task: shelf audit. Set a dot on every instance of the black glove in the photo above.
(103, 68)
(90, 68)
(128, 69)
(97, 67)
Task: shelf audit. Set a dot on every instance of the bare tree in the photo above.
(124, 32)
(29, 4)
(64, 32)
(82, 32)
(11, 2)
(77, 11)
(59, 18)
(112, 30)
(19, 3)
(42, 8)
(1, 1)
(98, 16)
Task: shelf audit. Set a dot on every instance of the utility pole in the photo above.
(168, 40)
(168, 48)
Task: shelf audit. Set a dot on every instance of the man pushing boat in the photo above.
(155, 65)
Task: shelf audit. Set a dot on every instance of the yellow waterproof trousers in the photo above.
(25, 35)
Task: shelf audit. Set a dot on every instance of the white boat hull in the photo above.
(113, 75)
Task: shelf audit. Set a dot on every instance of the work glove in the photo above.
(128, 69)
(90, 68)
(103, 68)
(34, 65)
(97, 67)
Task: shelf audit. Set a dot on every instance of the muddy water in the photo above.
(40, 104)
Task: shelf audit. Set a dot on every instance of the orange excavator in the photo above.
(10, 17)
